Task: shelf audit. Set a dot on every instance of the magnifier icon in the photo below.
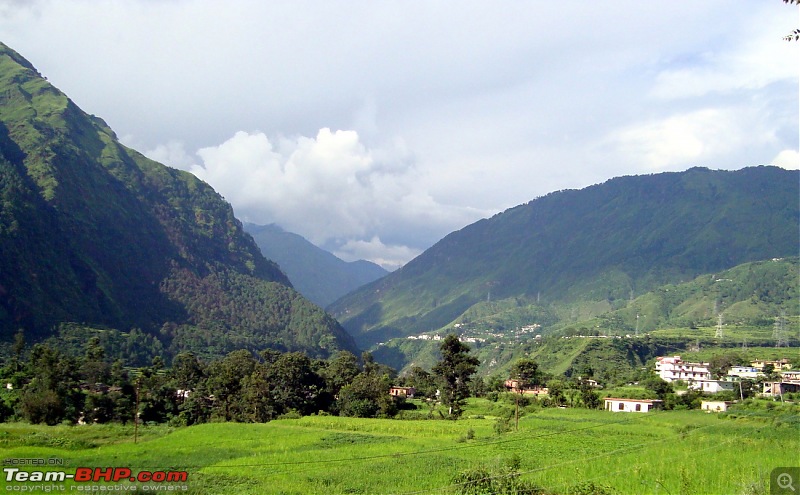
(785, 482)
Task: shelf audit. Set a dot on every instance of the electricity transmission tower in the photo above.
(779, 330)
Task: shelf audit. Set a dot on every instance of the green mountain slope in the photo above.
(752, 299)
(317, 274)
(595, 246)
(95, 233)
(749, 295)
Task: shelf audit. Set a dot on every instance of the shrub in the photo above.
(290, 414)
(502, 425)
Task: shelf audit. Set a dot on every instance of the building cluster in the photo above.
(424, 337)
(697, 375)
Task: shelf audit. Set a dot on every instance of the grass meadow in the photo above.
(563, 451)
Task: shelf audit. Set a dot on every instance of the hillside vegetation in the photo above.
(95, 234)
(580, 253)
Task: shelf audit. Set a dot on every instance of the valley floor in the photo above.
(563, 451)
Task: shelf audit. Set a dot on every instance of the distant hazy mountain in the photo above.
(94, 234)
(314, 272)
(604, 244)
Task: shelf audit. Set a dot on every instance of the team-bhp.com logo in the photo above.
(85, 474)
(88, 479)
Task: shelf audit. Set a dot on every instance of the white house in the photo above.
(745, 372)
(632, 405)
(715, 405)
(712, 386)
(671, 368)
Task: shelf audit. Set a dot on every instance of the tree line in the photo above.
(47, 385)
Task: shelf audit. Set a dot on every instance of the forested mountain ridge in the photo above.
(603, 243)
(95, 233)
(317, 274)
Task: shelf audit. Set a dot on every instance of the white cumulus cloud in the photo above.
(680, 139)
(359, 201)
(788, 159)
(707, 137)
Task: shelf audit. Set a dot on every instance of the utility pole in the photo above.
(136, 413)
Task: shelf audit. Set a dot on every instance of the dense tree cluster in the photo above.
(53, 384)
(47, 385)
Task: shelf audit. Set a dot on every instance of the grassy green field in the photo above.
(564, 451)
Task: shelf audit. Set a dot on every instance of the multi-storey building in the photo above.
(672, 368)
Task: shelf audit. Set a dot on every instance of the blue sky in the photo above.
(376, 128)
